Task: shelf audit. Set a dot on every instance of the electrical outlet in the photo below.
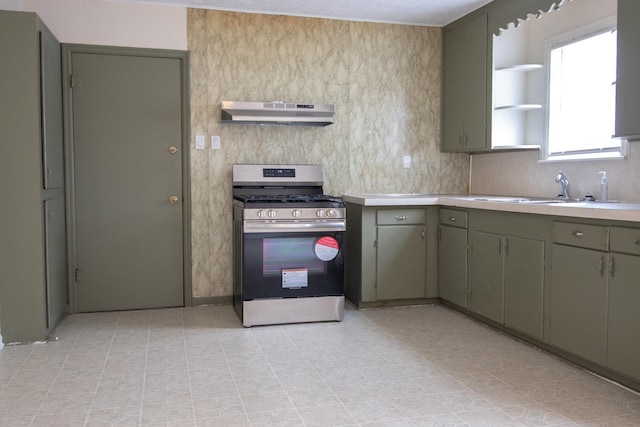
(406, 161)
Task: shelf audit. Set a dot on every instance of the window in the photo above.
(581, 114)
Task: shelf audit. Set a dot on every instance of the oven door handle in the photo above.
(293, 227)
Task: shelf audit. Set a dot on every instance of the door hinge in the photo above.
(375, 243)
(74, 81)
(76, 274)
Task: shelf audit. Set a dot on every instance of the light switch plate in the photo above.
(215, 142)
(199, 142)
(406, 161)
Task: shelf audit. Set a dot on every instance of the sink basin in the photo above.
(502, 199)
(397, 195)
(528, 200)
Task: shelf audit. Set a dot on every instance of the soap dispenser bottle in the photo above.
(604, 187)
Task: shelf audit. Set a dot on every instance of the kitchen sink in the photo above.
(529, 200)
(397, 195)
(502, 199)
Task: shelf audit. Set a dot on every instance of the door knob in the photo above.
(173, 149)
(173, 200)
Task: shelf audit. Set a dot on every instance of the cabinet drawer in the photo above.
(626, 240)
(453, 217)
(401, 216)
(581, 235)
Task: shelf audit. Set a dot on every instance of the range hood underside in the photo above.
(277, 113)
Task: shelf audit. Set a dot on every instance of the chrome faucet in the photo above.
(564, 182)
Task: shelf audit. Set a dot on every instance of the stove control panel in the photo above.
(295, 214)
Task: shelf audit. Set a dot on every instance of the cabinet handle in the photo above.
(612, 266)
(601, 266)
(401, 217)
(453, 219)
(499, 246)
(422, 234)
(506, 246)
(578, 233)
(638, 242)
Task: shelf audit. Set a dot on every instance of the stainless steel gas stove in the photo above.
(288, 241)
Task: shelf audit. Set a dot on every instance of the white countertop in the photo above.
(621, 211)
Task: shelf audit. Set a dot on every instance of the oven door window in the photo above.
(280, 265)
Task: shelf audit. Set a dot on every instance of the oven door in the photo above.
(284, 260)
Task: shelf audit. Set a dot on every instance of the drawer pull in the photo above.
(453, 219)
(401, 217)
(578, 233)
(638, 242)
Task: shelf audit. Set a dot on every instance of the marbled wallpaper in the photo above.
(383, 79)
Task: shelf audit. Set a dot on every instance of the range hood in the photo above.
(277, 113)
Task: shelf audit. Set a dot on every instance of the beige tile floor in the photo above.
(413, 366)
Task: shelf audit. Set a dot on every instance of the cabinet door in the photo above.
(475, 102)
(523, 284)
(51, 110)
(452, 265)
(401, 259)
(465, 87)
(453, 90)
(623, 347)
(55, 261)
(578, 301)
(628, 69)
(486, 278)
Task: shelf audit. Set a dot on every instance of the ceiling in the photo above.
(435, 13)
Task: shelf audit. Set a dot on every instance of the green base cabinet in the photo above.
(578, 311)
(523, 284)
(507, 269)
(486, 282)
(452, 257)
(578, 301)
(400, 262)
(386, 254)
(507, 280)
(623, 326)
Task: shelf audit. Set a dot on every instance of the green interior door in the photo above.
(127, 114)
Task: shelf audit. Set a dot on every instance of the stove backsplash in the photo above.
(383, 79)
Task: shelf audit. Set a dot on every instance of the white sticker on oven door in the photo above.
(295, 278)
(326, 248)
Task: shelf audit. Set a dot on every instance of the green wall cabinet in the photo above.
(464, 117)
(628, 70)
(33, 256)
(452, 256)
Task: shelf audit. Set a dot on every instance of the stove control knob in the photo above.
(331, 213)
(296, 213)
(261, 214)
(271, 214)
(320, 213)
